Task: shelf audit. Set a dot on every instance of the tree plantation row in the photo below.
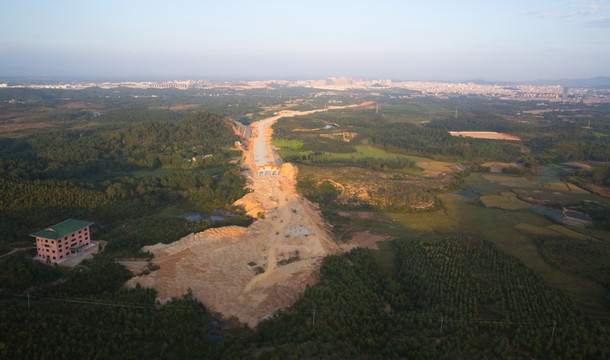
(454, 298)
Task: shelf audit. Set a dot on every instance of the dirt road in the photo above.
(249, 272)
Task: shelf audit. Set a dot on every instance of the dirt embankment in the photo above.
(249, 272)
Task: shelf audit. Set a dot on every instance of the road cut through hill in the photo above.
(250, 273)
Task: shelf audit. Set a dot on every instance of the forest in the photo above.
(49, 176)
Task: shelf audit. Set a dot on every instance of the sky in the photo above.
(263, 39)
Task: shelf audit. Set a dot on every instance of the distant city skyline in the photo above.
(440, 40)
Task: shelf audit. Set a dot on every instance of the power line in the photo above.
(106, 303)
(431, 317)
(316, 312)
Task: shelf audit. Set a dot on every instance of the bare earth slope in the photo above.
(223, 266)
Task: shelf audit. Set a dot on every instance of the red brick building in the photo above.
(59, 241)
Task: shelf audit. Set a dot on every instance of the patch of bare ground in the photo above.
(176, 107)
(183, 107)
(579, 164)
(134, 266)
(18, 116)
(5, 128)
(439, 168)
(14, 250)
(248, 273)
(492, 135)
(365, 239)
(344, 136)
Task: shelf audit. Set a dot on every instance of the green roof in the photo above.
(62, 229)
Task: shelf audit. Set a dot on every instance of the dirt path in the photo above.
(14, 250)
(236, 271)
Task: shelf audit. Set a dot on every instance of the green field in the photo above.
(507, 201)
(366, 152)
(511, 180)
(415, 113)
(284, 143)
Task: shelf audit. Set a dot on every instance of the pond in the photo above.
(554, 214)
(216, 215)
(466, 194)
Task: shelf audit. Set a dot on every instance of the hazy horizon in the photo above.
(444, 41)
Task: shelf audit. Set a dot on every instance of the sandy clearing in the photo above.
(365, 239)
(25, 126)
(436, 168)
(134, 266)
(579, 164)
(485, 135)
(220, 265)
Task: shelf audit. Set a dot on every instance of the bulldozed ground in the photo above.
(250, 273)
(485, 135)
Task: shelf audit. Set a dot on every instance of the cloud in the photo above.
(600, 22)
(585, 12)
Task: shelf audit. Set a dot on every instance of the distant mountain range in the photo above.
(600, 82)
(595, 82)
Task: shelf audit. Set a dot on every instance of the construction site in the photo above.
(249, 273)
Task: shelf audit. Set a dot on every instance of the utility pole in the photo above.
(554, 324)
(442, 324)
